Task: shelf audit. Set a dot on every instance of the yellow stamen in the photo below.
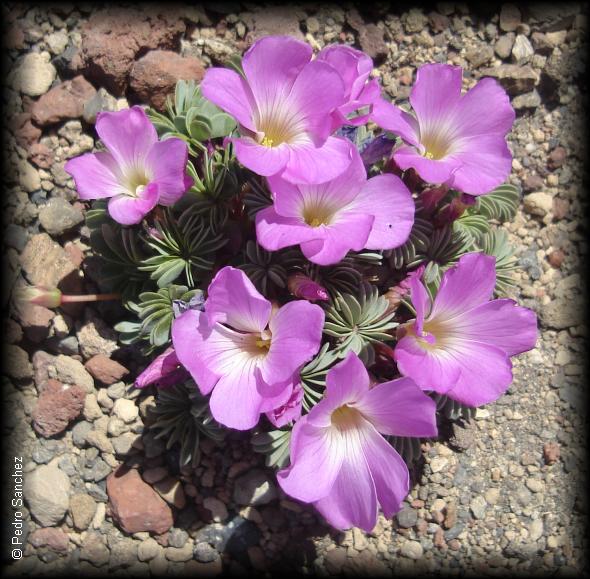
(428, 155)
(263, 344)
(267, 142)
(346, 418)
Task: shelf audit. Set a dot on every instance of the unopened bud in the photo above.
(39, 295)
(304, 287)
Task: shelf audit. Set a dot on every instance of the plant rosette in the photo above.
(306, 260)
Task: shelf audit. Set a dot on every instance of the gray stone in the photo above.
(101, 101)
(124, 443)
(183, 554)
(57, 41)
(504, 44)
(530, 100)
(538, 203)
(80, 432)
(205, 553)
(94, 549)
(407, 517)
(522, 49)
(254, 488)
(116, 390)
(478, 507)
(59, 216)
(97, 472)
(71, 371)
(177, 538)
(126, 410)
(16, 363)
(515, 79)
(123, 553)
(46, 491)
(561, 314)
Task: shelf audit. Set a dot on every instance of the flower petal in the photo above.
(388, 470)
(189, 332)
(166, 163)
(464, 286)
(128, 135)
(420, 301)
(500, 323)
(231, 93)
(352, 65)
(435, 95)
(349, 231)
(262, 160)
(485, 372)
(233, 300)
(431, 368)
(484, 163)
(399, 408)
(314, 464)
(346, 383)
(129, 210)
(485, 110)
(273, 231)
(235, 401)
(430, 170)
(310, 164)
(296, 331)
(389, 200)
(352, 501)
(271, 66)
(96, 175)
(392, 118)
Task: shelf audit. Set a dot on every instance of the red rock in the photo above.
(50, 537)
(106, 370)
(14, 37)
(65, 101)
(134, 505)
(56, 407)
(555, 258)
(276, 20)
(454, 544)
(163, 538)
(532, 183)
(25, 131)
(75, 254)
(35, 321)
(112, 38)
(551, 452)
(153, 77)
(41, 155)
(561, 208)
(439, 538)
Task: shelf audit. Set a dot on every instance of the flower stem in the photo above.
(68, 299)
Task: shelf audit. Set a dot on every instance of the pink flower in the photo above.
(283, 106)
(289, 411)
(453, 139)
(138, 172)
(165, 370)
(354, 68)
(339, 460)
(247, 355)
(333, 218)
(461, 344)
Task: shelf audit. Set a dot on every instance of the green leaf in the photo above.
(501, 204)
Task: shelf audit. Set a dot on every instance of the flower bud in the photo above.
(164, 371)
(38, 295)
(304, 287)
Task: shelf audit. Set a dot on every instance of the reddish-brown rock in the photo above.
(112, 39)
(105, 370)
(153, 77)
(372, 41)
(41, 155)
(556, 158)
(134, 505)
(276, 20)
(551, 452)
(57, 406)
(65, 101)
(25, 131)
(51, 537)
(561, 208)
(555, 258)
(41, 363)
(35, 321)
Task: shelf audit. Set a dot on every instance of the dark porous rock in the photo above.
(112, 38)
(65, 101)
(205, 553)
(528, 101)
(372, 41)
(510, 17)
(40, 155)
(273, 20)
(154, 76)
(57, 406)
(135, 506)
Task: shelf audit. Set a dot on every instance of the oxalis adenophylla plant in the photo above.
(302, 258)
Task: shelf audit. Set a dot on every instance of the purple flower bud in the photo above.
(290, 411)
(376, 149)
(431, 197)
(304, 287)
(164, 371)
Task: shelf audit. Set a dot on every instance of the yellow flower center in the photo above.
(346, 418)
(267, 142)
(136, 180)
(316, 215)
(263, 344)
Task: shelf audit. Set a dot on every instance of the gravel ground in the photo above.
(503, 493)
